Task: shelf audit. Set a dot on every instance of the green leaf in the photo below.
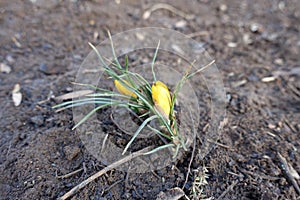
(159, 148)
(138, 131)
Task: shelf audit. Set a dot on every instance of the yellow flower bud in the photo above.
(123, 90)
(161, 98)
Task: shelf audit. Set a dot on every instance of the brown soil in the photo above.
(45, 42)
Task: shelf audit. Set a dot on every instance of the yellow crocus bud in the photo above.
(123, 90)
(161, 98)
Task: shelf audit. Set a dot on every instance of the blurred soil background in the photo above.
(256, 45)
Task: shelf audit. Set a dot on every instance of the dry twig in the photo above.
(286, 167)
(193, 152)
(228, 189)
(168, 7)
(103, 171)
(69, 174)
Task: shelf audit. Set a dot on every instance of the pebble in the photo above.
(181, 24)
(71, 151)
(281, 5)
(5, 68)
(270, 37)
(38, 120)
(69, 89)
(223, 7)
(10, 59)
(278, 61)
(46, 46)
(256, 28)
(17, 95)
(268, 79)
(247, 39)
(232, 44)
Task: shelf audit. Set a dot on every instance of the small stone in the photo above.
(247, 39)
(17, 95)
(223, 7)
(281, 5)
(71, 151)
(46, 46)
(270, 37)
(268, 79)
(38, 120)
(10, 59)
(5, 68)
(256, 28)
(180, 24)
(278, 61)
(69, 89)
(92, 22)
(232, 44)
(271, 126)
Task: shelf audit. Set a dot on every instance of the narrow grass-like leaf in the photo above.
(138, 131)
(153, 61)
(98, 54)
(176, 151)
(159, 148)
(201, 69)
(159, 132)
(113, 51)
(89, 115)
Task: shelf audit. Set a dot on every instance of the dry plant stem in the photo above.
(297, 93)
(259, 175)
(69, 174)
(168, 7)
(113, 185)
(193, 152)
(190, 164)
(228, 189)
(286, 169)
(103, 171)
(219, 144)
(289, 125)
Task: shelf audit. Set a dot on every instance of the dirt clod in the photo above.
(71, 151)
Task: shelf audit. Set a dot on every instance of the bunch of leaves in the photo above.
(136, 93)
(199, 183)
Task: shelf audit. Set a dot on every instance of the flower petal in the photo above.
(161, 98)
(123, 90)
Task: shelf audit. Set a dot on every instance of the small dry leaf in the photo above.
(268, 79)
(293, 172)
(17, 95)
(146, 14)
(5, 68)
(240, 83)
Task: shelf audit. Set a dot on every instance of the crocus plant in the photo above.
(149, 101)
